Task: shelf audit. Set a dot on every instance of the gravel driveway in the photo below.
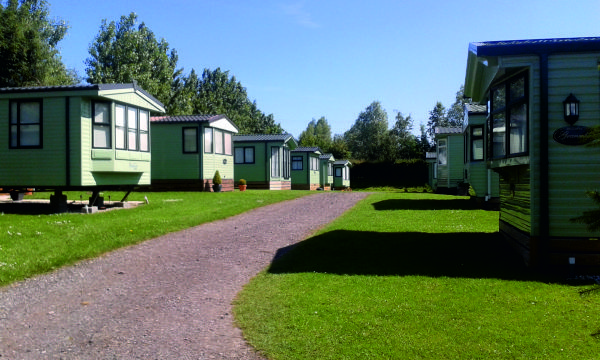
(167, 298)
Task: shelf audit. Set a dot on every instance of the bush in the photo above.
(217, 178)
(242, 182)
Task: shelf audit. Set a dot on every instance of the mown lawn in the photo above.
(415, 276)
(34, 244)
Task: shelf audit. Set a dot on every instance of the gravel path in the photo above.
(167, 298)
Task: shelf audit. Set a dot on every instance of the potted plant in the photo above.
(242, 184)
(217, 182)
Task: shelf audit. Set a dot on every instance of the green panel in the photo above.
(36, 167)
(75, 139)
(515, 197)
(168, 160)
(300, 176)
(259, 171)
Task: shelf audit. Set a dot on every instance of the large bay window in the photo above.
(508, 117)
(25, 124)
(101, 125)
(132, 128)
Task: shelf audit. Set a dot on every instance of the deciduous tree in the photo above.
(29, 38)
(123, 52)
(367, 138)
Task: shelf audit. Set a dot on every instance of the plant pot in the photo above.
(242, 187)
(217, 187)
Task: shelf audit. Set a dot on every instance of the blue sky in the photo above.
(305, 59)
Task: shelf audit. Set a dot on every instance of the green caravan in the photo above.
(449, 142)
(484, 182)
(93, 137)
(306, 174)
(188, 150)
(326, 168)
(264, 161)
(543, 96)
(341, 174)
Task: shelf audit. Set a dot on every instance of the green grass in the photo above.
(34, 244)
(414, 276)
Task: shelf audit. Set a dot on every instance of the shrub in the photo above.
(242, 182)
(217, 178)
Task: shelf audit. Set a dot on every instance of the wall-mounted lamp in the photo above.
(571, 109)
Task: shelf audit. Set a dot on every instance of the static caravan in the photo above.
(188, 150)
(341, 174)
(305, 168)
(543, 96)
(264, 160)
(449, 143)
(93, 137)
(326, 163)
(484, 181)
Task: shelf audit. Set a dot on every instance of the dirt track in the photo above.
(167, 298)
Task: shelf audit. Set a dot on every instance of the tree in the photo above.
(437, 117)
(317, 133)
(456, 113)
(217, 93)
(367, 137)
(404, 140)
(124, 52)
(339, 147)
(29, 54)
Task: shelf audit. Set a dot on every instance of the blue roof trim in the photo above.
(535, 46)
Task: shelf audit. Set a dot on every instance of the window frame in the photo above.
(244, 157)
(104, 126)
(506, 110)
(340, 170)
(208, 144)
(439, 149)
(183, 139)
(143, 133)
(314, 163)
(227, 143)
(286, 163)
(218, 140)
(275, 170)
(299, 159)
(474, 138)
(18, 124)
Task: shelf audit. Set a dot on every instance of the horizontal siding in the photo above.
(572, 169)
(214, 162)
(36, 167)
(168, 159)
(515, 199)
(256, 172)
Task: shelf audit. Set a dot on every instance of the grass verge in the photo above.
(414, 276)
(34, 244)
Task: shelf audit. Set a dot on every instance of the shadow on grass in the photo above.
(470, 255)
(424, 204)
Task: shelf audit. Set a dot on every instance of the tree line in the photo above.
(122, 52)
(371, 139)
(127, 51)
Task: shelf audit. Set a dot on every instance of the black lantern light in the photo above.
(571, 109)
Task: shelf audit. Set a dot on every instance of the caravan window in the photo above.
(25, 124)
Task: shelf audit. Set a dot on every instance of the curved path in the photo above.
(166, 298)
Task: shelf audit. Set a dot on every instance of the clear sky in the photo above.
(305, 59)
